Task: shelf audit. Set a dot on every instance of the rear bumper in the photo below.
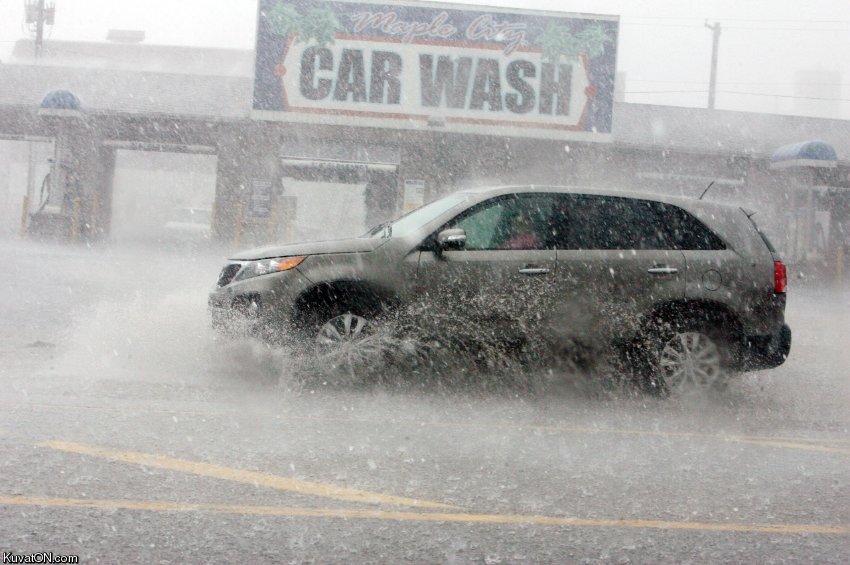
(766, 351)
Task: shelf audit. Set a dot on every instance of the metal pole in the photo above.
(240, 212)
(25, 212)
(39, 29)
(715, 45)
(31, 168)
(76, 219)
(95, 212)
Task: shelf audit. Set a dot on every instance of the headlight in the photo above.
(266, 266)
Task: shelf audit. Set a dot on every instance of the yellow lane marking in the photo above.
(400, 516)
(247, 477)
(792, 445)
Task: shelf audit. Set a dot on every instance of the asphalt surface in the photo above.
(131, 433)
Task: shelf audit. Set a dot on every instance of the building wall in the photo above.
(249, 154)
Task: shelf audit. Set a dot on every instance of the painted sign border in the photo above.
(434, 121)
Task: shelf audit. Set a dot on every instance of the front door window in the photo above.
(514, 223)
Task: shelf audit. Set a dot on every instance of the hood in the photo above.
(353, 245)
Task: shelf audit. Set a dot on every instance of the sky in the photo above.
(775, 56)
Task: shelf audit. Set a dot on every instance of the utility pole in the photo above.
(39, 29)
(39, 13)
(715, 45)
(36, 13)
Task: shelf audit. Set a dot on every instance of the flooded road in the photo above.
(130, 429)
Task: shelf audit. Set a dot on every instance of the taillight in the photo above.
(780, 277)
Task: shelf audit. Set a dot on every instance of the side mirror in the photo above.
(451, 239)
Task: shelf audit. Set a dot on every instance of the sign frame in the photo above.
(505, 36)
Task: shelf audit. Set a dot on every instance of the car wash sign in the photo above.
(425, 65)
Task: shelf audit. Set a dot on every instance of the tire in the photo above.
(685, 355)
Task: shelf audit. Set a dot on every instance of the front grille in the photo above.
(227, 274)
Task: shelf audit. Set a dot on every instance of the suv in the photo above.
(693, 289)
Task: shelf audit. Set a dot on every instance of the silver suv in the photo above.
(688, 289)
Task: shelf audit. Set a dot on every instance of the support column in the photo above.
(74, 176)
(80, 174)
(101, 198)
(245, 167)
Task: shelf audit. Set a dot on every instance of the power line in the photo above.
(821, 29)
(625, 23)
(786, 96)
(760, 20)
(705, 91)
(772, 83)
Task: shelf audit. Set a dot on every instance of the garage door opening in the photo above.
(23, 168)
(356, 195)
(163, 199)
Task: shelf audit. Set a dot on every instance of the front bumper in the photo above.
(766, 351)
(258, 307)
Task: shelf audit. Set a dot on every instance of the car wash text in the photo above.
(520, 85)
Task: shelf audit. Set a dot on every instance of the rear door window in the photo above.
(607, 222)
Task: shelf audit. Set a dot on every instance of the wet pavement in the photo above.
(131, 432)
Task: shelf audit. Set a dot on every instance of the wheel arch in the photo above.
(716, 314)
(717, 319)
(372, 298)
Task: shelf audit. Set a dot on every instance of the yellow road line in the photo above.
(792, 445)
(400, 516)
(247, 477)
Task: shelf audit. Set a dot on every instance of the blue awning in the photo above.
(60, 100)
(60, 103)
(805, 154)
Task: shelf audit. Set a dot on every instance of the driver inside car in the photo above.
(522, 233)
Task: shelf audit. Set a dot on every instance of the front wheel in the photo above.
(343, 328)
(357, 346)
(345, 345)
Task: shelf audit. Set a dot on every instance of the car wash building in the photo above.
(403, 99)
(350, 113)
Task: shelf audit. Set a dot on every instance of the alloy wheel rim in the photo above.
(690, 359)
(348, 346)
(344, 328)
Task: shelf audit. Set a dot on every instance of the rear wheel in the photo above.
(686, 355)
(690, 359)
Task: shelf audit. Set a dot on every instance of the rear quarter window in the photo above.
(686, 232)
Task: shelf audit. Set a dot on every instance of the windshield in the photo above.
(414, 220)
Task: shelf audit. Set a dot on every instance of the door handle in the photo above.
(534, 270)
(662, 270)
